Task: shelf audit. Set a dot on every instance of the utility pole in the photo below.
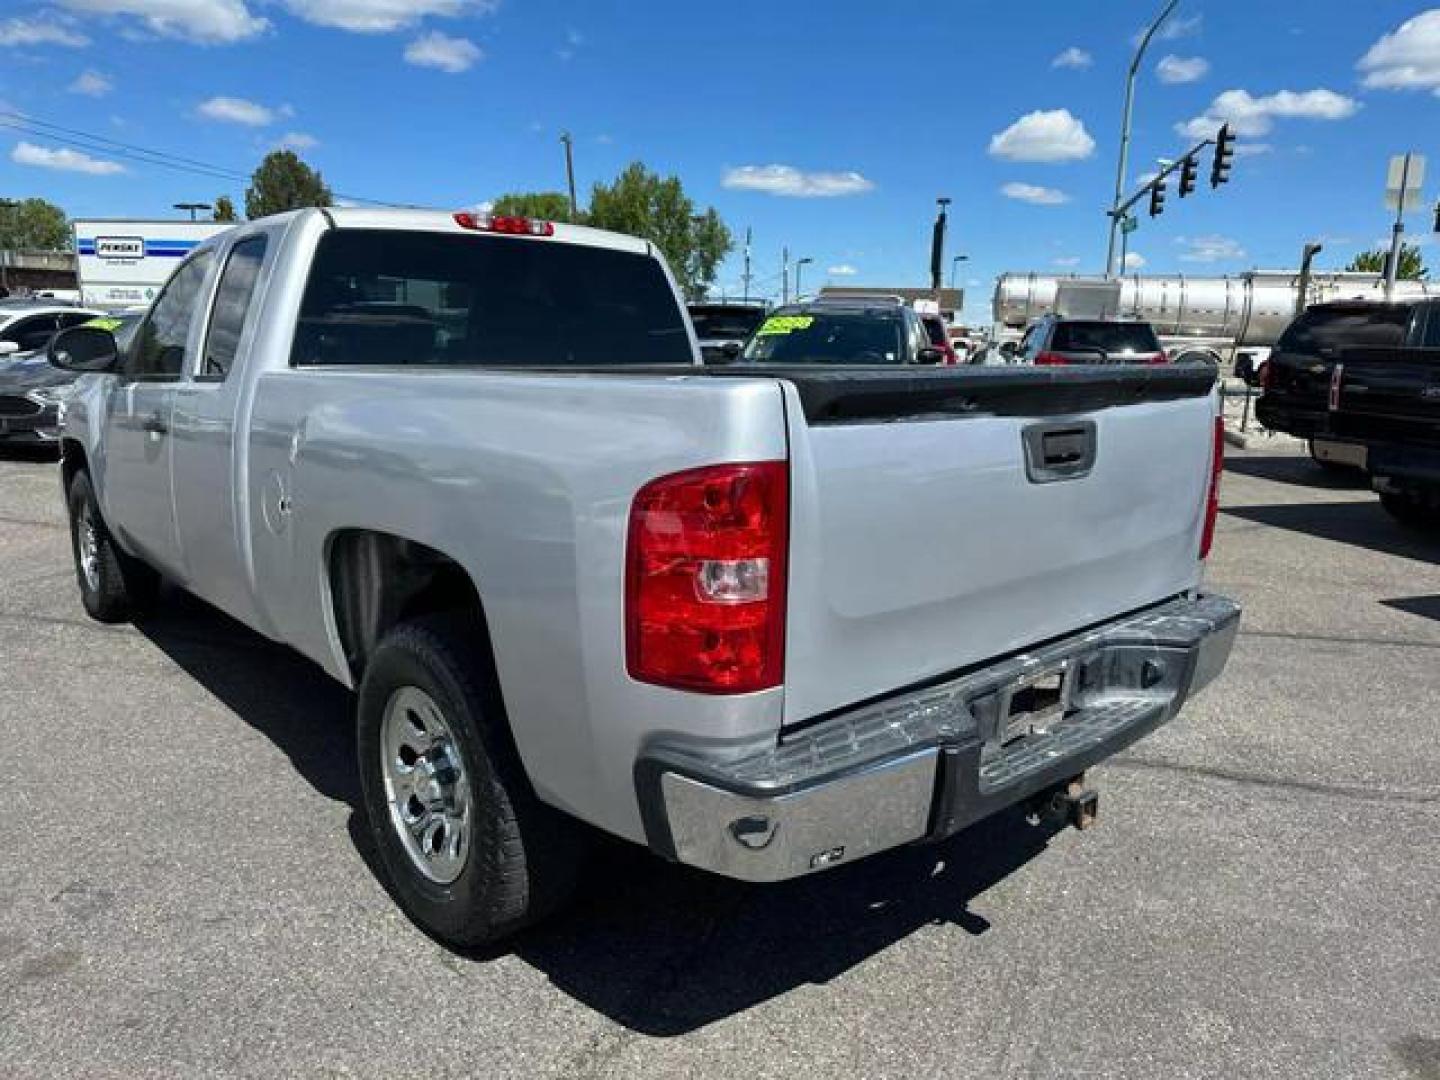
(192, 207)
(954, 265)
(745, 277)
(570, 173)
(1125, 132)
(937, 245)
(784, 275)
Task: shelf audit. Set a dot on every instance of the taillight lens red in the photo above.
(1050, 359)
(1156, 358)
(705, 579)
(1267, 375)
(1212, 497)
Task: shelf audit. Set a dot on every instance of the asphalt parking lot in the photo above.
(186, 889)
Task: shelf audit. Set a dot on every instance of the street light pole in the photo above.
(784, 275)
(1125, 132)
(192, 207)
(798, 264)
(954, 264)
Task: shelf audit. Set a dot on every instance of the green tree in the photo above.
(545, 205)
(656, 207)
(284, 182)
(224, 209)
(1412, 266)
(34, 225)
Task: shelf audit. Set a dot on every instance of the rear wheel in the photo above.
(114, 586)
(472, 853)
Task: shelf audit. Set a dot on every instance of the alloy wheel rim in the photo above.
(427, 789)
(87, 544)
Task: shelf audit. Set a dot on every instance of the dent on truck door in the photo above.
(138, 418)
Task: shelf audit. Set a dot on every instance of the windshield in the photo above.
(828, 337)
(725, 322)
(1333, 328)
(1108, 336)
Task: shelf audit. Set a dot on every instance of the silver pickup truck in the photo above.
(764, 621)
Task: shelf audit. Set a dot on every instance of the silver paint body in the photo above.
(918, 547)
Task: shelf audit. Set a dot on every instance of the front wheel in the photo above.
(472, 853)
(114, 586)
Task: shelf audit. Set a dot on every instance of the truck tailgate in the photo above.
(943, 518)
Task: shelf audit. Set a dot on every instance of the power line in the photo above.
(84, 140)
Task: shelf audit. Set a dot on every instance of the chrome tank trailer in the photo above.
(1252, 308)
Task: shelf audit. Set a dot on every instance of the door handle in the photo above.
(154, 425)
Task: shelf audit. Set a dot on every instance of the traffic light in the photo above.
(1188, 170)
(1224, 152)
(1157, 197)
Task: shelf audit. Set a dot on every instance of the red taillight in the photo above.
(1212, 497)
(705, 576)
(1155, 358)
(1337, 379)
(1267, 375)
(1050, 359)
(501, 223)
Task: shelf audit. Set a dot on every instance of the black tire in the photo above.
(118, 586)
(1410, 511)
(522, 856)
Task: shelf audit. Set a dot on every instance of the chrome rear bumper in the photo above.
(927, 763)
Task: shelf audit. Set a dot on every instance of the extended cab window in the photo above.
(390, 297)
(232, 302)
(159, 352)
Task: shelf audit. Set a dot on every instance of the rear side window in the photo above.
(1109, 337)
(388, 297)
(1381, 325)
(232, 303)
(721, 322)
(1432, 329)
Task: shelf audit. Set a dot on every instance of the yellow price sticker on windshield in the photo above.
(785, 324)
(104, 323)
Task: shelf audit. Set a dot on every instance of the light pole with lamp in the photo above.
(192, 207)
(954, 265)
(798, 264)
(1124, 162)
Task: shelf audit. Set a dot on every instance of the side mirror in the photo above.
(84, 349)
(9, 348)
(930, 355)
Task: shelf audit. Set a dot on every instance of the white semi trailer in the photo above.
(124, 262)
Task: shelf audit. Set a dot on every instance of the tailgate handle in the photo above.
(1064, 451)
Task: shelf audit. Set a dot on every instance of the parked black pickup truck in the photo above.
(1361, 381)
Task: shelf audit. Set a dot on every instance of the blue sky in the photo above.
(829, 127)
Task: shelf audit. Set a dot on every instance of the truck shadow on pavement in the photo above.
(658, 948)
(1298, 470)
(1362, 524)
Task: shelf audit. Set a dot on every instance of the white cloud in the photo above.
(1044, 136)
(91, 84)
(1182, 69)
(298, 140)
(1250, 116)
(573, 40)
(1175, 29)
(40, 31)
(436, 50)
(1209, 249)
(1034, 194)
(64, 160)
(1134, 260)
(229, 110)
(1066, 261)
(842, 270)
(1073, 57)
(381, 16)
(790, 181)
(1255, 149)
(1408, 58)
(204, 21)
